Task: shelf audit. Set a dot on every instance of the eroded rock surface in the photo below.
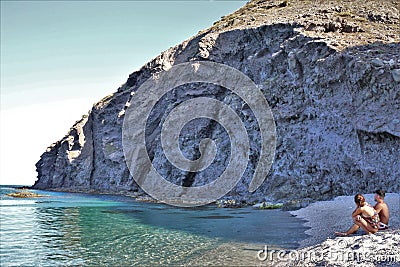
(330, 73)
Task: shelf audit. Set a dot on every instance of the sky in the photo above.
(60, 57)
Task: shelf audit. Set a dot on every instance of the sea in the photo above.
(75, 229)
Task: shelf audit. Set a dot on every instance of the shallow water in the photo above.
(83, 229)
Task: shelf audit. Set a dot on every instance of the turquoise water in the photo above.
(103, 230)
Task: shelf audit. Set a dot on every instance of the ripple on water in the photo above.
(88, 230)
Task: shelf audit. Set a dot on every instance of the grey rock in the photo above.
(335, 114)
(377, 62)
(396, 75)
(325, 189)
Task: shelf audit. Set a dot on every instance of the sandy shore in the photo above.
(326, 217)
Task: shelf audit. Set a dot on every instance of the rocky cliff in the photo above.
(330, 71)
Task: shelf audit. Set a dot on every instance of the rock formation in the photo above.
(330, 71)
(24, 193)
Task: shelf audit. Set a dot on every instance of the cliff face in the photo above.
(330, 72)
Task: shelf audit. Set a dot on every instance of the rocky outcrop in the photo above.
(330, 73)
(24, 193)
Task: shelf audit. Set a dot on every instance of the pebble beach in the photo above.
(323, 248)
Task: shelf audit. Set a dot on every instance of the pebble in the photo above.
(377, 62)
(396, 75)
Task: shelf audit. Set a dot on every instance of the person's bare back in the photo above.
(383, 211)
(382, 208)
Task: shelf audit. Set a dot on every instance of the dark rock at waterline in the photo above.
(329, 72)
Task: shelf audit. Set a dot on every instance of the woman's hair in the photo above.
(359, 199)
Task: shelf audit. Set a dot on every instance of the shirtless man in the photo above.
(382, 208)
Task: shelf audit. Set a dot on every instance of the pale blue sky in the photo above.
(59, 57)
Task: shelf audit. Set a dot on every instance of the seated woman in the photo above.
(364, 216)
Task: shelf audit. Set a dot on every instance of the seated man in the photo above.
(382, 208)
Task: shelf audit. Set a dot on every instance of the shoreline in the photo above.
(292, 205)
(321, 247)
